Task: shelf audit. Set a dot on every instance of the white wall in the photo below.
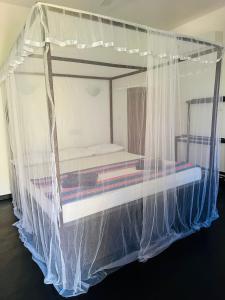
(211, 27)
(4, 170)
(82, 112)
(12, 19)
(205, 25)
(196, 81)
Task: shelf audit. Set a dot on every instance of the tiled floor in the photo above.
(192, 268)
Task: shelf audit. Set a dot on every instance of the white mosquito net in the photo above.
(113, 141)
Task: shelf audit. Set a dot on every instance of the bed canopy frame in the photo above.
(137, 69)
(47, 40)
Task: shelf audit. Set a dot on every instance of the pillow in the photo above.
(73, 153)
(38, 157)
(105, 148)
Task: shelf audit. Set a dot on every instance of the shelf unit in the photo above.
(196, 139)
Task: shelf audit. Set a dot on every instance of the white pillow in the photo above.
(38, 157)
(73, 153)
(105, 148)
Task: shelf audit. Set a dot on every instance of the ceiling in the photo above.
(162, 14)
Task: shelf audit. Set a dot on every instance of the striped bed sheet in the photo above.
(110, 177)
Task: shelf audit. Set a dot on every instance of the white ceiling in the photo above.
(164, 14)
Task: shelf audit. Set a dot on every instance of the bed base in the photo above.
(125, 221)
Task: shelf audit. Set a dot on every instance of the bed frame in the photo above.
(49, 78)
(49, 75)
(135, 208)
(112, 250)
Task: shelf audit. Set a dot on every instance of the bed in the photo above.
(120, 181)
(122, 204)
(85, 211)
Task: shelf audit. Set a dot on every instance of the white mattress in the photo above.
(85, 207)
(88, 206)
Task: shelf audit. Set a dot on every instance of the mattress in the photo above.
(88, 206)
(119, 182)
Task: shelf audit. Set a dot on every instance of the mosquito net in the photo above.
(113, 141)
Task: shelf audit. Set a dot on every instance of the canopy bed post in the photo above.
(111, 110)
(213, 137)
(47, 57)
(215, 112)
(188, 131)
(51, 105)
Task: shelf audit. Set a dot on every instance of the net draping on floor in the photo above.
(113, 141)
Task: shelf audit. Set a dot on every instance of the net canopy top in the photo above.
(79, 30)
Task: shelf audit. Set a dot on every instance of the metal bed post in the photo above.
(51, 110)
(111, 110)
(215, 114)
(213, 138)
(47, 57)
(188, 131)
